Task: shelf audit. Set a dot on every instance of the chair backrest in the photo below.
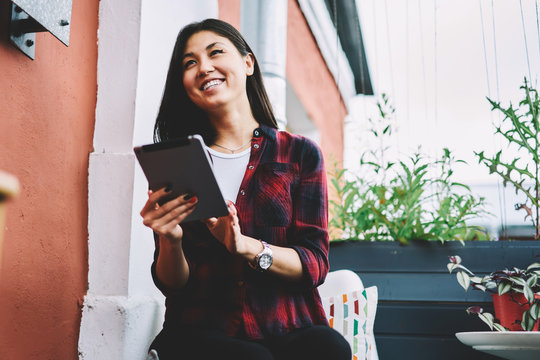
(340, 281)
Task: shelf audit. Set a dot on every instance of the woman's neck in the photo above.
(234, 130)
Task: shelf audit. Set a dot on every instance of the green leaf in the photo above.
(481, 287)
(533, 266)
(529, 295)
(503, 288)
(488, 319)
(531, 282)
(527, 322)
(463, 280)
(476, 279)
(518, 280)
(535, 311)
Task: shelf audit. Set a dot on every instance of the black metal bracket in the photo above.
(29, 17)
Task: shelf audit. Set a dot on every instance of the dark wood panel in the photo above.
(391, 347)
(425, 318)
(431, 257)
(406, 286)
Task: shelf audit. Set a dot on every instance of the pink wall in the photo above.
(229, 11)
(46, 131)
(314, 84)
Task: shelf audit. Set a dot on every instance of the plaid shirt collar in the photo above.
(265, 130)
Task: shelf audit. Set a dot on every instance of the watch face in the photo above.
(265, 261)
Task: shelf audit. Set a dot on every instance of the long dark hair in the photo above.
(178, 116)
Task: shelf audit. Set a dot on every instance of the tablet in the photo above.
(185, 166)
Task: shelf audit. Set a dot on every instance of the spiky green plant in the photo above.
(521, 129)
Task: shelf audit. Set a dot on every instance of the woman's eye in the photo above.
(216, 51)
(188, 63)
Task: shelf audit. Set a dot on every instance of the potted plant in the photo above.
(515, 292)
(411, 199)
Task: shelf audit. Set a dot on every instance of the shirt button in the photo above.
(251, 167)
(256, 146)
(240, 283)
(256, 132)
(242, 192)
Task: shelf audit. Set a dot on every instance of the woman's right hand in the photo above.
(164, 219)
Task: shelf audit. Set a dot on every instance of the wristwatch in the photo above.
(264, 259)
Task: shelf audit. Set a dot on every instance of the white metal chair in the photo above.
(340, 281)
(152, 355)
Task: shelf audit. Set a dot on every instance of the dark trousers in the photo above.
(314, 343)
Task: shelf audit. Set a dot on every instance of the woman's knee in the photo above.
(202, 346)
(319, 342)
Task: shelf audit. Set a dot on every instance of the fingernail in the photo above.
(193, 200)
(188, 196)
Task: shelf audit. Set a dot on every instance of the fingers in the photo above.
(153, 199)
(233, 213)
(162, 218)
(169, 226)
(232, 218)
(232, 208)
(184, 199)
(210, 222)
(176, 209)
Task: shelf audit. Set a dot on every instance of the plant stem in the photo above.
(532, 109)
(537, 163)
(537, 228)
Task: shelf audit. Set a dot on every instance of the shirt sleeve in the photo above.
(310, 215)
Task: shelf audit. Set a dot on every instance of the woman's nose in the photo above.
(205, 66)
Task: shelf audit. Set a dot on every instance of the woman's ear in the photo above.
(250, 64)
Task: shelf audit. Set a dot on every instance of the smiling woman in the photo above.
(242, 286)
(177, 110)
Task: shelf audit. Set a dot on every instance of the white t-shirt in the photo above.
(229, 170)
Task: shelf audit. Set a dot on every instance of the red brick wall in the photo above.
(229, 11)
(314, 84)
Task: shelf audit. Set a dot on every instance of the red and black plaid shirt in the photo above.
(283, 201)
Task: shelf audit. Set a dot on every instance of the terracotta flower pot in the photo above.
(509, 309)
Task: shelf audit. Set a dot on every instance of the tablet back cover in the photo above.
(185, 166)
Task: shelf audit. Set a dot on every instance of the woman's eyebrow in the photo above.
(190, 54)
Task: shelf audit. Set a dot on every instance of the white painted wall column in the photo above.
(105, 315)
(122, 310)
(264, 25)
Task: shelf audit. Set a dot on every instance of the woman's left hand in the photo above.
(227, 230)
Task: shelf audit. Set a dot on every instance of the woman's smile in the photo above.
(211, 84)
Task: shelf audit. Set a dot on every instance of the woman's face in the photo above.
(214, 71)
